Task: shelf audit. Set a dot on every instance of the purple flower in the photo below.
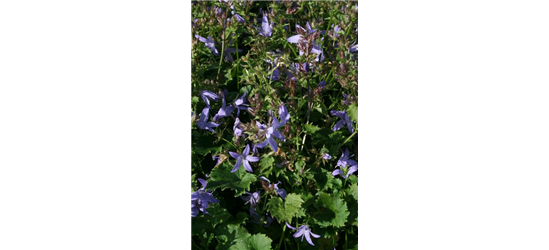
(276, 73)
(354, 48)
(239, 104)
(209, 43)
(239, 18)
(266, 28)
(336, 30)
(343, 162)
(304, 231)
(326, 156)
(322, 84)
(224, 110)
(280, 191)
(345, 120)
(284, 115)
(208, 96)
(243, 159)
(252, 198)
(297, 38)
(237, 129)
(346, 99)
(203, 123)
(201, 199)
(271, 133)
(317, 50)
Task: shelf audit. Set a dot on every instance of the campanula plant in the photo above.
(274, 117)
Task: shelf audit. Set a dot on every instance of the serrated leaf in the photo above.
(352, 111)
(325, 181)
(310, 129)
(353, 191)
(219, 214)
(333, 211)
(259, 242)
(232, 236)
(266, 165)
(287, 209)
(222, 178)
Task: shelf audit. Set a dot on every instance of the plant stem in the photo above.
(281, 237)
(222, 49)
(346, 247)
(351, 136)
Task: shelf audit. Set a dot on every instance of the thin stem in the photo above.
(222, 50)
(282, 237)
(348, 138)
(229, 142)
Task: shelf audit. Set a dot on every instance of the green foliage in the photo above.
(327, 204)
(285, 210)
(333, 211)
(222, 178)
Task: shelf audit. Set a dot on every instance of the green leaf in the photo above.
(266, 165)
(352, 111)
(285, 210)
(204, 144)
(259, 242)
(194, 100)
(310, 129)
(325, 181)
(222, 178)
(353, 190)
(232, 237)
(333, 211)
(219, 215)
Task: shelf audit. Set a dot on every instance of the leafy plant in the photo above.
(274, 125)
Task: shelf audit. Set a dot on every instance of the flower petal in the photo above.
(237, 165)
(203, 182)
(299, 233)
(246, 150)
(272, 143)
(247, 166)
(294, 38)
(352, 170)
(252, 158)
(315, 235)
(288, 225)
(338, 125)
(308, 238)
(336, 172)
(234, 155)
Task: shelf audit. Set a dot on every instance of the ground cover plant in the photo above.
(274, 125)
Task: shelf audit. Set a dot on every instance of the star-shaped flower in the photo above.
(304, 231)
(345, 162)
(345, 120)
(203, 123)
(243, 159)
(209, 43)
(200, 199)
